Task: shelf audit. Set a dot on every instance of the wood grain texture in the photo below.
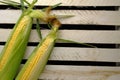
(86, 17)
(80, 16)
(78, 2)
(62, 72)
(54, 72)
(80, 54)
(83, 36)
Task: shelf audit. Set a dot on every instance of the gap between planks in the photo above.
(77, 2)
(80, 17)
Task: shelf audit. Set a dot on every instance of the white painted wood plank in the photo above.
(80, 17)
(54, 72)
(78, 2)
(84, 36)
(88, 36)
(80, 54)
(62, 72)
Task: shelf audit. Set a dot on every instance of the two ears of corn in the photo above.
(13, 52)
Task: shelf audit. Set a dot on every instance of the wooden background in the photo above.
(96, 22)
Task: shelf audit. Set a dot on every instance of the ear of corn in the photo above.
(15, 46)
(39, 57)
(14, 49)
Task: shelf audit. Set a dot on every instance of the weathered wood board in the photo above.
(85, 16)
(80, 16)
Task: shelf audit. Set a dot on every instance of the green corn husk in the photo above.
(15, 46)
(14, 49)
(39, 57)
